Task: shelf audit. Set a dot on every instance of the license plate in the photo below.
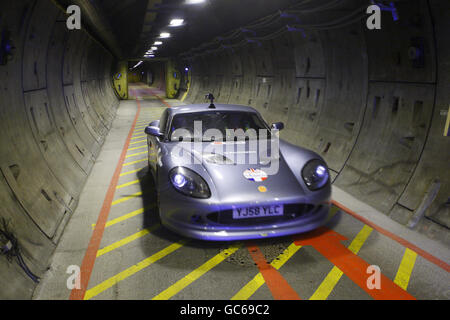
(258, 212)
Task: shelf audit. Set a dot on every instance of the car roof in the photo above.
(191, 108)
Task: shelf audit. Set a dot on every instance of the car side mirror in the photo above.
(154, 123)
(153, 131)
(277, 126)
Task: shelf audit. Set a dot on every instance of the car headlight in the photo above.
(315, 174)
(189, 183)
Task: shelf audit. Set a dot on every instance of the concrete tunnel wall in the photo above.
(56, 107)
(358, 99)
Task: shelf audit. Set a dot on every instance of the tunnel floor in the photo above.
(124, 253)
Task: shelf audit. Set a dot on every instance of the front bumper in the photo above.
(196, 225)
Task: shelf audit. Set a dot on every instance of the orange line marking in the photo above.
(94, 243)
(328, 243)
(394, 237)
(279, 287)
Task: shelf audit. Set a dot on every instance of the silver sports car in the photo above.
(222, 173)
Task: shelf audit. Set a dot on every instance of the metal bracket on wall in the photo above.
(416, 52)
(427, 200)
(5, 47)
(447, 123)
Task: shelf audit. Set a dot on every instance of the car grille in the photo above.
(291, 212)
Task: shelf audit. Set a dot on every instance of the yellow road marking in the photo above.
(124, 217)
(126, 240)
(135, 195)
(360, 238)
(136, 154)
(139, 141)
(136, 148)
(134, 162)
(330, 281)
(138, 137)
(250, 288)
(405, 269)
(128, 184)
(197, 273)
(132, 270)
(327, 285)
(132, 171)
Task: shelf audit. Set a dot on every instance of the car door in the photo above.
(154, 143)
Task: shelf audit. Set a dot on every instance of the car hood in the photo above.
(238, 173)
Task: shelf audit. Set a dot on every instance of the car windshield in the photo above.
(218, 126)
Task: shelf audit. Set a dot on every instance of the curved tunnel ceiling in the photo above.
(145, 20)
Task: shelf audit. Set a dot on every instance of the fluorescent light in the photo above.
(138, 64)
(157, 43)
(165, 35)
(194, 1)
(154, 48)
(176, 22)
